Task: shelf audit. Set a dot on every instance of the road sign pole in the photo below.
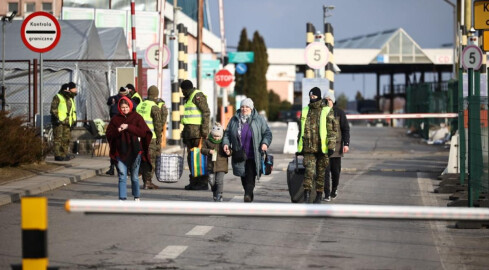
(40, 96)
(470, 73)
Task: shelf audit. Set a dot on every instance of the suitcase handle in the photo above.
(297, 161)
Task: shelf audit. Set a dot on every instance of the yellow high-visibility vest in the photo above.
(63, 110)
(192, 115)
(323, 131)
(144, 109)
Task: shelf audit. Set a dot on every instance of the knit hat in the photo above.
(185, 85)
(130, 87)
(71, 85)
(65, 87)
(153, 92)
(330, 95)
(123, 91)
(217, 130)
(248, 103)
(315, 91)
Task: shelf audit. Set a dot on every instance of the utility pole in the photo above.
(200, 26)
(5, 19)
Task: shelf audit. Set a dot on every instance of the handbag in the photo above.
(198, 161)
(266, 163)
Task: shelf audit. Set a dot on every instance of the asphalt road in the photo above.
(385, 167)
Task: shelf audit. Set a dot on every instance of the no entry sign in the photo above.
(224, 78)
(40, 32)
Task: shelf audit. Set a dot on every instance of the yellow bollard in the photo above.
(34, 214)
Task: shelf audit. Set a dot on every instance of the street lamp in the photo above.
(5, 19)
(455, 45)
(325, 10)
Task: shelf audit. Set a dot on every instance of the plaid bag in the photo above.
(169, 168)
(198, 161)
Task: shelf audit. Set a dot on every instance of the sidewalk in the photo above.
(78, 169)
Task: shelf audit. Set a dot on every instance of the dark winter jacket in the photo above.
(128, 143)
(261, 135)
(221, 164)
(343, 136)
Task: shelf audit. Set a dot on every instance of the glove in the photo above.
(55, 120)
(330, 152)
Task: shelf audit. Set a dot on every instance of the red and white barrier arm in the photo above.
(278, 210)
(401, 116)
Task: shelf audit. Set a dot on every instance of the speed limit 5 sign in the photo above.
(472, 57)
(316, 55)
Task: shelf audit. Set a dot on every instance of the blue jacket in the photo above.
(261, 135)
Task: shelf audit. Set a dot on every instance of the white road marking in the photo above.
(200, 230)
(171, 252)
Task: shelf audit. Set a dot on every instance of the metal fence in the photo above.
(430, 98)
(96, 81)
(475, 145)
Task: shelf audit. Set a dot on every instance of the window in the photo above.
(13, 7)
(48, 7)
(30, 7)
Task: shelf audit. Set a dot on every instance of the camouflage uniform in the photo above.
(147, 167)
(315, 162)
(61, 129)
(192, 134)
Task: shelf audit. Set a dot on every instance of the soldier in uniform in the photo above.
(317, 140)
(195, 120)
(151, 113)
(63, 118)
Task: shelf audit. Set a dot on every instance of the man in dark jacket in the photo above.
(63, 118)
(342, 146)
(195, 120)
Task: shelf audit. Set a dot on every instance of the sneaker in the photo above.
(334, 193)
(137, 200)
(327, 198)
(219, 197)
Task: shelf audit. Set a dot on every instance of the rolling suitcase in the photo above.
(295, 179)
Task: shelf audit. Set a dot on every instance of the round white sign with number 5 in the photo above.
(472, 57)
(316, 55)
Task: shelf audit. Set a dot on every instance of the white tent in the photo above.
(79, 57)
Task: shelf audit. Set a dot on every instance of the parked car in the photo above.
(291, 115)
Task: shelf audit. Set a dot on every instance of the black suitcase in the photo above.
(295, 179)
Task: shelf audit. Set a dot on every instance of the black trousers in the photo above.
(334, 169)
(248, 181)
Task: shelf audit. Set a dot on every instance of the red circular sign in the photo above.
(40, 32)
(223, 78)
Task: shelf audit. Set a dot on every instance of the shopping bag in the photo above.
(266, 163)
(198, 161)
(169, 168)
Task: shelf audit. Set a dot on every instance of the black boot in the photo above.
(110, 171)
(319, 196)
(307, 195)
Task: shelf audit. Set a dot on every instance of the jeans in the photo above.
(216, 180)
(122, 171)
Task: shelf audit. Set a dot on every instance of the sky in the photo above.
(282, 24)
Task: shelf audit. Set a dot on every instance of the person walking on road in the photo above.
(63, 119)
(195, 120)
(317, 139)
(113, 102)
(217, 161)
(151, 113)
(342, 147)
(129, 138)
(247, 135)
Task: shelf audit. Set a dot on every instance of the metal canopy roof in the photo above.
(384, 52)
